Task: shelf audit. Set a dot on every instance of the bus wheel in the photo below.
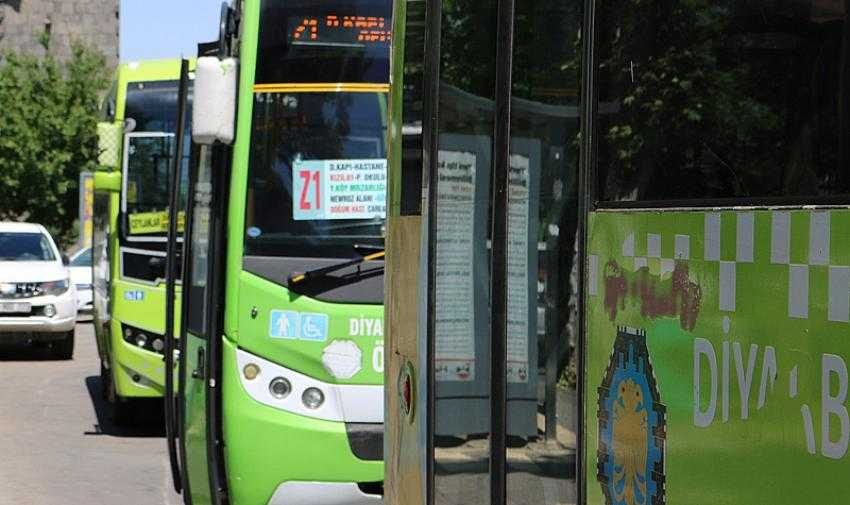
(64, 349)
(121, 410)
(105, 379)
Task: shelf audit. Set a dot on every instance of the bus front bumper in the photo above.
(322, 493)
(278, 457)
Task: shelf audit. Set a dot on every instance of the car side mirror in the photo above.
(214, 101)
(65, 259)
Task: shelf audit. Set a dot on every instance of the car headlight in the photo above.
(55, 287)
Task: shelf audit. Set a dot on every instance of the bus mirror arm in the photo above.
(107, 181)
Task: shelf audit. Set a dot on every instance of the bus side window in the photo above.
(749, 102)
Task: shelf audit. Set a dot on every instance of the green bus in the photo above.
(666, 185)
(280, 383)
(130, 224)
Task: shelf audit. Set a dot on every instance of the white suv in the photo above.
(38, 302)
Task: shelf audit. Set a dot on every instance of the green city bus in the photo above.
(666, 185)
(280, 384)
(129, 246)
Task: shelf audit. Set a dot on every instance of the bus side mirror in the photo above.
(214, 102)
(107, 181)
(109, 144)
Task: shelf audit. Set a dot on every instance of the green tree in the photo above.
(48, 135)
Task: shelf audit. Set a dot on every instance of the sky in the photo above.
(166, 28)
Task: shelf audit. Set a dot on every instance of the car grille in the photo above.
(15, 291)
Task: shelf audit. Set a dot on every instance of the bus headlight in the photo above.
(280, 388)
(251, 371)
(143, 339)
(313, 398)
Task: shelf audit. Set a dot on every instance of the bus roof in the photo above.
(144, 71)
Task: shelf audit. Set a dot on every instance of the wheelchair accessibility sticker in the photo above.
(291, 325)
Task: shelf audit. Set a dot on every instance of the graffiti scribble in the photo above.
(677, 296)
(615, 288)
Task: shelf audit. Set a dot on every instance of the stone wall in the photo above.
(94, 22)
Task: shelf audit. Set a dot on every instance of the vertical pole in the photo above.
(171, 279)
(553, 340)
(585, 199)
(430, 145)
(499, 259)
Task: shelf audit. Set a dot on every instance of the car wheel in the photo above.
(64, 349)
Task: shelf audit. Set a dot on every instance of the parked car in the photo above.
(38, 301)
(81, 277)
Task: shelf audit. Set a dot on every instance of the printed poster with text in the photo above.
(339, 189)
(455, 324)
(518, 215)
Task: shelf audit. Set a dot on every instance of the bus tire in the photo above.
(122, 413)
(64, 349)
(105, 379)
(120, 409)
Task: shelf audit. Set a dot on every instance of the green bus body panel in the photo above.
(265, 446)
(345, 322)
(148, 313)
(239, 169)
(750, 304)
(195, 422)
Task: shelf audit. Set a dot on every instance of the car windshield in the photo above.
(25, 247)
(83, 259)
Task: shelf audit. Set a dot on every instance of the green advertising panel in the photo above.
(717, 347)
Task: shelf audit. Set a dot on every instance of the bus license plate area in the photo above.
(15, 308)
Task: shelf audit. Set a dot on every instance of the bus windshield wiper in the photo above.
(301, 278)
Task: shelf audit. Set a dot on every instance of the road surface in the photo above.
(57, 444)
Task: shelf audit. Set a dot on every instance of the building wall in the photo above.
(94, 22)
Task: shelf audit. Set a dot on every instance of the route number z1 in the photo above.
(310, 178)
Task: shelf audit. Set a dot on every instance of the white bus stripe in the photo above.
(839, 294)
(745, 235)
(798, 291)
(593, 274)
(712, 236)
(683, 247)
(780, 238)
(727, 285)
(819, 238)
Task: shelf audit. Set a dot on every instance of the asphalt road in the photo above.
(57, 444)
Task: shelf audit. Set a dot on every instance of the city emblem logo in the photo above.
(632, 426)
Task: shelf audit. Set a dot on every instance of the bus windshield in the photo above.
(149, 164)
(317, 183)
(151, 119)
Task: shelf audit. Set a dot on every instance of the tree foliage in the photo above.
(48, 135)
